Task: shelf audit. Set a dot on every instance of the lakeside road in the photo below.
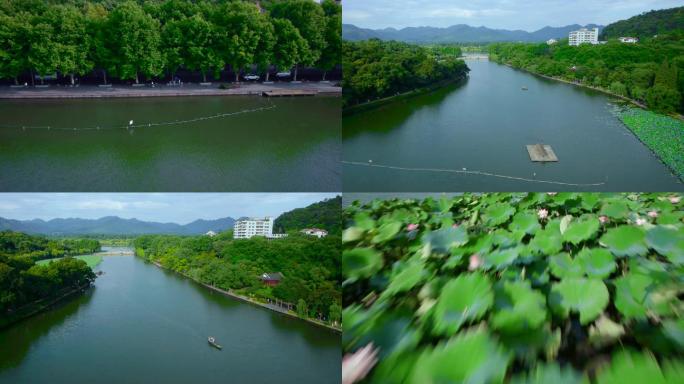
(161, 90)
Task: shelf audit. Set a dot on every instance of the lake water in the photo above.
(484, 125)
(292, 147)
(141, 324)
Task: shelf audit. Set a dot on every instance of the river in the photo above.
(141, 324)
(483, 125)
(292, 147)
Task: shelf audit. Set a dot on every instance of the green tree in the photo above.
(663, 99)
(335, 313)
(101, 46)
(263, 56)
(72, 39)
(135, 41)
(238, 34)
(302, 310)
(289, 44)
(43, 57)
(331, 54)
(309, 19)
(15, 32)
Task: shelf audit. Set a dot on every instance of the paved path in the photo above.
(60, 92)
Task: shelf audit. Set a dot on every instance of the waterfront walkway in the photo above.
(90, 91)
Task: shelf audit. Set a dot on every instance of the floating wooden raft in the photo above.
(289, 92)
(541, 153)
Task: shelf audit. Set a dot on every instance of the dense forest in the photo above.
(39, 248)
(310, 266)
(375, 69)
(23, 282)
(650, 72)
(647, 24)
(324, 214)
(154, 38)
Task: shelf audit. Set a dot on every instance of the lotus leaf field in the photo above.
(663, 134)
(521, 288)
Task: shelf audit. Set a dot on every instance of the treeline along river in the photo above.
(288, 144)
(434, 142)
(141, 324)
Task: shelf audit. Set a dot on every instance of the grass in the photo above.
(664, 135)
(91, 260)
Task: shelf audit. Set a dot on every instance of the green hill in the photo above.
(326, 214)
(647, 24)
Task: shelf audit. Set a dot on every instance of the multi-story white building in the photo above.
(247, 228)
(583, 36)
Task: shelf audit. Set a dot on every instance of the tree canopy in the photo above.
(151, 38)
(22, 281)
(375, 69)
(310, 266)
(651, 72)
(324, 214)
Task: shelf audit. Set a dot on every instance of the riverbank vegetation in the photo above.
(664, 135)
(310, 267)
(650, 72)
(39, 247)
(539, 287)
(24, 284)
(375, 69)
(151, 38)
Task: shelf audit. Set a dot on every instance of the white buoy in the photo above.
(370, 161)
(130, 122)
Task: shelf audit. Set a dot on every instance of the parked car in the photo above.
(251, 76)
(280, 75)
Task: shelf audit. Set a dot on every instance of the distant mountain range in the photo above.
(113, 225)
(460, 33)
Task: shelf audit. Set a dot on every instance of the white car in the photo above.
(283, 74)
(252, 77)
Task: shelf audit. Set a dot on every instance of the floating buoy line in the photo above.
(467, 172)
(131, 125)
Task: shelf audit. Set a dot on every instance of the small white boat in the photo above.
(213, 343)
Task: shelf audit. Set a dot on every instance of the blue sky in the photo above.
(528, 15)
(179, 208)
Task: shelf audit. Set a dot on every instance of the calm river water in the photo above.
(141, 324)
(292, 147)
(484, 125)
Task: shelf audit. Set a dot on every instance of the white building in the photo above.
(551, 41)
(629, 40)
(583, 36)
(247, 228)
(210, 234)
(315, 232)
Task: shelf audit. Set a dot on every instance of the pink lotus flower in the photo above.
(475, 262)
(411, 227)
(640, 221)
(674, 199)
(543, 213)
(603, 219)
(356, 366)
(653, 214)
(455, 225)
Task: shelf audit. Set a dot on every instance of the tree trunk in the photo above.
(295, 76)
(137, 81)
(204, 76)
(237, 76)
(267, 74)
(104, 75)
(42, 80)
(72, 79)
(324, 73)
(33, 79)
(16, 81)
